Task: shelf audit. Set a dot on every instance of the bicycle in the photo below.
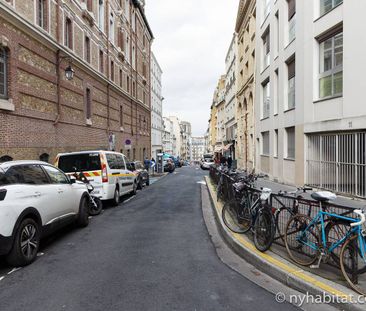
(280, 213)
(306, 244)
(250, 211)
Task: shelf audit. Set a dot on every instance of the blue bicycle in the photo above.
(306, 243)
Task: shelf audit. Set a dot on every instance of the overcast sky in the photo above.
(191, 41)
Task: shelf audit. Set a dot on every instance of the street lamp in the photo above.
(69, 72)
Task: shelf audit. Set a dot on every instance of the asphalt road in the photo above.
(150, 253)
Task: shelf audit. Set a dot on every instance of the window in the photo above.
(327, 5)
(3, 73)
(82, 162)
(291, 19)
(87, 49)
(111, 28)
(45, 157)
(133, 58)
(133, 88)
(101, 15)
(26, 174)
(266, 99)
(68, 33)
(266, 49)
(101, 61)
(120, 78)
(5, 158)
(112, 161)
(42, 13)
(265, 143)
(128, 84)
(290, 142)
(275, 145)
(277, 93)
(112, 70)
(120, 162)
(88, 104)
(331, 66)
(291, 84)
(56, 176)
(277, 34)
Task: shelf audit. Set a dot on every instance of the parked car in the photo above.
(106, 170)
(36, 199)
(206, 163)
(142, 175)
(169, 166)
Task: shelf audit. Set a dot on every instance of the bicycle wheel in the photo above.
(335, 230)
(264, 229)
(235, 217)
(219, 191)
(281, 219)
(302, 240)
(352, 265)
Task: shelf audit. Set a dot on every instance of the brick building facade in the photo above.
(108, 45)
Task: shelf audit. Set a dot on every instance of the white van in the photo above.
(106, 170)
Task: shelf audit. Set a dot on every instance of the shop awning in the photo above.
(227, 147)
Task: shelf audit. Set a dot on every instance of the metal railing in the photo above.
(304, 206)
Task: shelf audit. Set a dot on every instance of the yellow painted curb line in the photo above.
(291, 271)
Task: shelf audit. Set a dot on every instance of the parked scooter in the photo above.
(96, 205)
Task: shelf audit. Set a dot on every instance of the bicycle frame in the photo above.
(319, 218)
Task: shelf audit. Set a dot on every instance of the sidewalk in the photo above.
(276, 263)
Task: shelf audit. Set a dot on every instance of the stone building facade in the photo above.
(157, 126)
(108, 45)
(245, 72)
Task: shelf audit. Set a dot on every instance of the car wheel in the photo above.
(26, 244)
(139, 184)
(134, 190)
(116, 197)
(83, 217)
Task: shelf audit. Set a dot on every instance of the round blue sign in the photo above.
(128, 142)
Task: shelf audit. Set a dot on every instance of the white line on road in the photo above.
(14, 270)
(202, 182)
(2, 278)
(128, 199)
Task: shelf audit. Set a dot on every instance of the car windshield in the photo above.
(79, 162)
(208, 160)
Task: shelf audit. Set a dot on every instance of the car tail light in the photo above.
(104, 169)
(104, 173)
(2, 194)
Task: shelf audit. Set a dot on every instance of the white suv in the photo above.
(35, 199)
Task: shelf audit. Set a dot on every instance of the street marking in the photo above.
(293, 271)
(202, 182)
(40, 254)
(14, 270)
(128, 199)
(2, 278)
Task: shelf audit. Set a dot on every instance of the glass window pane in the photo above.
(326, 55)
(325, 6)
(325, 87)
(338, 83)
(56, 175)
(338, 50)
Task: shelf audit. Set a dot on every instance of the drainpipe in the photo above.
(58, 89)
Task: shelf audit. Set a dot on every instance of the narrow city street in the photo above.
(153, 252)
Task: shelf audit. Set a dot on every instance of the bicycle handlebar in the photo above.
(362, 220)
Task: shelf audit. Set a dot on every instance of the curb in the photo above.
(282, 270)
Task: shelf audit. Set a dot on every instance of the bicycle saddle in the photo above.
(323, 196)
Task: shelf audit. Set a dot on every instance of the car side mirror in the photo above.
(72, 180)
